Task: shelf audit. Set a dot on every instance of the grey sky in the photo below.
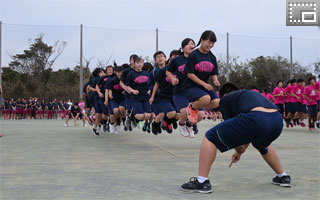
(264, 18)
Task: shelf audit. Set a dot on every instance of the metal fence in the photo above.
(99, 44)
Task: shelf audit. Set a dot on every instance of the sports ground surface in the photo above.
(42, 159)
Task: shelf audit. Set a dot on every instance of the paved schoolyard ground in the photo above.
(42, 159)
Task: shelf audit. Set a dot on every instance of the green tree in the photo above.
(38, 60)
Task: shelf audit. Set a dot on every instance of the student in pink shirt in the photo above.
(297, 94)
(304, 103)
(288, 103)
(317, 88)
(278, 94)
(267, 95)
(81, 105)
(311, 96)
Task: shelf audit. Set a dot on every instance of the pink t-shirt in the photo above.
(288, 91)
(81, 105)
(298, 91)
(255, 90)
(317, 87)
(311, 94)
(270, 97)
(277, 91)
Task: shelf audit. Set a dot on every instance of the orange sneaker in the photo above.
(192, 114)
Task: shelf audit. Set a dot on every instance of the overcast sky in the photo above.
(263, 18)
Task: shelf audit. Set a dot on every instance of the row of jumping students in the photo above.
(172, 95)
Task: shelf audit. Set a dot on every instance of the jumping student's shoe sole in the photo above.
(197, 191)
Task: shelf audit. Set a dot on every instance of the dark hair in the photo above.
(158, 53)
(109, 66)
(96, 71)
(293, 81)
(265, 90)
(300, 80)
(185, 42)
(133, 56)
(118, 69)
(76, 104)
(207, 35)
(125, 66)
(279, 82)
(227, 88)
(253, 87)
(309, 79)
(173, 52)
(138, 59)
(147, 66)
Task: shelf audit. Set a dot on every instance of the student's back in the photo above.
(242, 101)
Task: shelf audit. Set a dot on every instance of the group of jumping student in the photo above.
(159, 96)
(15, 109)
(176, 93)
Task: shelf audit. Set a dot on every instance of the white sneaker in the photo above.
(66, 125)
(112, 129)
(190, 131)
(98, 129)
(183, 130)
(119, 128)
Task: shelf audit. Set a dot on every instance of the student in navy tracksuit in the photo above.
(160, 60)
(249, 118)
(102, 92)
(128, 103)
(115, 101)
(164, 88)
(97, 73)
(137, 85)
(177, 75)
(201, 65)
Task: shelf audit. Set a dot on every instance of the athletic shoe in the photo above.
(66, 125)
(153, 128)
(158, 127)
(195, 129)
(119, 128)
(284, 181)
(133, 120)
(95, 132)
(192, 114)
(144, 128)
(125, 128)
(318, 125)
(302, 124)
(127, 122)
(183, 130)
(174, 124)
(164, 125)
(104, 127)
(195, 186)
(139, 124)
(287, 125)
(190, 131)
(169, 128)
(99, 129)
(112, 129)
(130, 128)
(291, 125)
(148, 128)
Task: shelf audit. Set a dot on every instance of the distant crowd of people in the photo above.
(33, 108)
